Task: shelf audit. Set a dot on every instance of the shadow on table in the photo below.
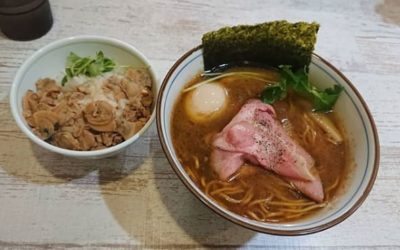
(389, 11)
(25, 160)
(153, 206)
(2, 36)
(48, 168)
(196, 219)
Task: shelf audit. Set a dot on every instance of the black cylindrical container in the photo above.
(25, 19)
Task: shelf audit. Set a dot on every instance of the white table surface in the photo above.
(135, 200)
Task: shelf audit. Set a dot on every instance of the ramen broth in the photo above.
(252, 191)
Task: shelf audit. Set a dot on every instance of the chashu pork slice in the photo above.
(254, 135)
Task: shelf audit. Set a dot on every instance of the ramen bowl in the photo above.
(352, 110)
(50, 61)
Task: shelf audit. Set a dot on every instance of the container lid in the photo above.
(10, 7)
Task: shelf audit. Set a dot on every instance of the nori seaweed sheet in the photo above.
(272, 43)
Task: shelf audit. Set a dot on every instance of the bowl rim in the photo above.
(19, 119)
(261, 229)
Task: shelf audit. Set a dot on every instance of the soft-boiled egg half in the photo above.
(205, 101)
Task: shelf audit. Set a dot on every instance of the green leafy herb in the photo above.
(274, 93)
(88, 66)
(323, 100)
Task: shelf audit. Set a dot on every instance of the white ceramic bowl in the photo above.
(49, 61)
(353, 111)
